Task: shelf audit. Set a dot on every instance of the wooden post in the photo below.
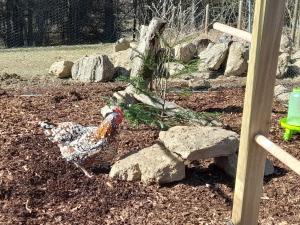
(267, 28)
(295, 18)
(206, 18)
(239, 22)
(233, 31)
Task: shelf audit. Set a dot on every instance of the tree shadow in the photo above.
(228, 109)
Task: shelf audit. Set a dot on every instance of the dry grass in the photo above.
(36, 61)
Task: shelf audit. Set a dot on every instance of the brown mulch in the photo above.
(38, 187)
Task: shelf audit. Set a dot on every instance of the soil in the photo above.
(38, 187)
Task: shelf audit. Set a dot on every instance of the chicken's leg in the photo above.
(83, 170)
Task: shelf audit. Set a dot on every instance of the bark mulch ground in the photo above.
(38, 187)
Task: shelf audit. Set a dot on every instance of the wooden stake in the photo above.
(239, 22)
(279, 153)
(268, 20)
(295, 18)
(206, 18)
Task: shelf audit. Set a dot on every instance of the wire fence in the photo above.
(25, 23)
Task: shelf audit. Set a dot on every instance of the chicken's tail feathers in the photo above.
(47, 125)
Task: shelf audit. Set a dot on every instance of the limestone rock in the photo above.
(286, 44)
(282, 66)
(122, 62)
(93, 69)
(61, 69)
(174, 68)
(124, 97)
(154, 164)
(195, 143)
(214, 56)
(201, 44)
(154, 101)
(121, 45)
(237, 60)
(229, 164)
(295, 67)
(281, 93)
(199, 84)
(185, 52)
(106, 110)
(204, 72)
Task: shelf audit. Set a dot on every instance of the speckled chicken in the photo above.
(77, 143)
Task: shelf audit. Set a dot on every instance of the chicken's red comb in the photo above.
(118, 110)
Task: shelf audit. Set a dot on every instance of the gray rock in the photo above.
(201, 44)
(282, 66)
(174, 68)
(61, 69)
(295, 67)
(225, 38)
(122, 62)
(93, 69)
(281, 93)
(237, 60)
(154, 101)
(121, 45)
(199, 84)
(106, 110)
(214, 56)
(124, 97)
(204, 72)
(195, 143)
(185, 52)
(154, 164)
(286, 44)
(229, 164)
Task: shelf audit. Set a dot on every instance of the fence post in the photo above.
(257, 109)
(295, 19)
(239, 22)
(206, 18)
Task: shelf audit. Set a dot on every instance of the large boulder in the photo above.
(122, 62)
(282, 66)
(62, 69)
(154, 164)
(185, 52)
(195, 143)
(93, 69)
(121, 45)
(237, 60)
(214, 55)
(229, 164)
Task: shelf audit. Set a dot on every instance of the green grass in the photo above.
(29, 62)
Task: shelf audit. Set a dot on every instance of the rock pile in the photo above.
(164, 162)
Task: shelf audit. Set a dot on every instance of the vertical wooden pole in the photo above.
(239, 22)
(267, 28)
(206, 18)
(295, 18)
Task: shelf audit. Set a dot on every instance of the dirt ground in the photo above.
(38, 187)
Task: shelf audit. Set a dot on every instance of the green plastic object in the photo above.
(290, 130)
(293, 117)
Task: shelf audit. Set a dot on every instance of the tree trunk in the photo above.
(147, 50)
